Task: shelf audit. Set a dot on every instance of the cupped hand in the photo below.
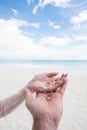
(44, 82)
(47, 104)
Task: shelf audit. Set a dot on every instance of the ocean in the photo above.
(64, 64)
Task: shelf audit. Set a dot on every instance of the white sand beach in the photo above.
(13, 78)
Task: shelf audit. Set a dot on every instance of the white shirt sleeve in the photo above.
(9, 104)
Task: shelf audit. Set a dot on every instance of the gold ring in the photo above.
(49, 97)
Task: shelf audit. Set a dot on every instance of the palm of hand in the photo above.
(40, 107)
(53, 108)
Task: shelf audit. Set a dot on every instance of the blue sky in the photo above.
(43, 29)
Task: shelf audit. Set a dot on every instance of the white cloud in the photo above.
(57, 3)
(35, 25)
(81, 38)
(35, 9)
(55, 41)
(15, 12)
(15, 45)
(79, 19)
(53, 25)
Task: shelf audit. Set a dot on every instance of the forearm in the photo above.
(44, 124)
(9, 104)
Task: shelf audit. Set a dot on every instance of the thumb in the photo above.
(28, 93)
(29, 99)
(51, 74)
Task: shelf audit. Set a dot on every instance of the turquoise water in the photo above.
(66, 64)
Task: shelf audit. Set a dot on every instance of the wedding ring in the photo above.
(49, 97)
(48, 84)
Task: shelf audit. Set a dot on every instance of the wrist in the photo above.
(29, 86)
(44, 124)
(21, 93)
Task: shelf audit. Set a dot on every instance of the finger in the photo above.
(29, 99)
(60, 78)
(51, 74)
(58, 83)
(61, 81)
(63, 87)
(63, 77)
(66, 74)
